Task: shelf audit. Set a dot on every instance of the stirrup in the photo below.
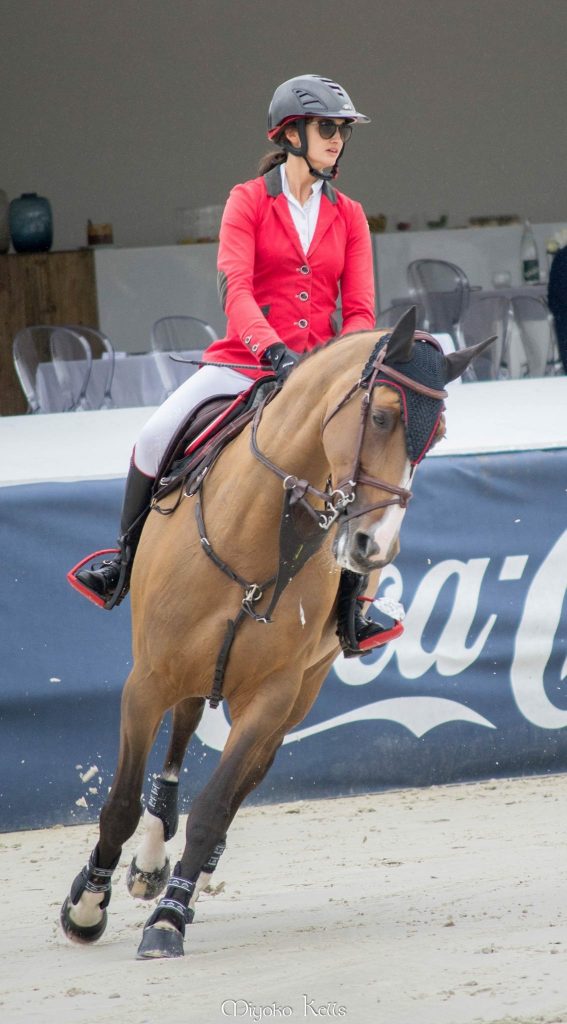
(120, 590)
(355, 646)
(379, 635)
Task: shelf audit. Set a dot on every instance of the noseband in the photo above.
(337, 500)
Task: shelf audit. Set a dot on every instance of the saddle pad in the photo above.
(205, 432)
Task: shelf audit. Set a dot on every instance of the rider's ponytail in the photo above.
(270, 160)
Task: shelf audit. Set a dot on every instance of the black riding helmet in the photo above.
(302, 98)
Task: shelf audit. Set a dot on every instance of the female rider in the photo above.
(288, 242)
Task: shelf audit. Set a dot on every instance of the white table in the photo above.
(136, 382)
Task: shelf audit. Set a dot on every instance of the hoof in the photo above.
(146, 885)
(79, 933)
(160, 942)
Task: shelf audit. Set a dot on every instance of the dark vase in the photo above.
(31, 223)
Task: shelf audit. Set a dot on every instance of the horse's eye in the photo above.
(381, 418)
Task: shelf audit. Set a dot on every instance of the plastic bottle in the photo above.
(529, 255)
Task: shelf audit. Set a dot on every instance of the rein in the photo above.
(338, 499)
(335, 501)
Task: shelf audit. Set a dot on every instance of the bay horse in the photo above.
(340, 443)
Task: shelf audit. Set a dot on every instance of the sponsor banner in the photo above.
(474, 688)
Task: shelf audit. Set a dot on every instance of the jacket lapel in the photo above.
(327, 213)
(273, 184)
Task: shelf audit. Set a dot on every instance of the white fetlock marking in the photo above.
(164, 925)
(151, 854)
(202, 883)
(87, 911)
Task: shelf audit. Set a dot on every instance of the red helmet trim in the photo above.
(272, 132)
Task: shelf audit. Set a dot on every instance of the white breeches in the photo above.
(156, 434)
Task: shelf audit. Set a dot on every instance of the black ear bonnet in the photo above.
(420, 413)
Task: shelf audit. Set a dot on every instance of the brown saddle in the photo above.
(203, 435)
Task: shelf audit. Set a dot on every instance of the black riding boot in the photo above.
(110, 579)
(359, 635)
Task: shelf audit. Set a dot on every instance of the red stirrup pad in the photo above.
(382, 638)
(77, 585)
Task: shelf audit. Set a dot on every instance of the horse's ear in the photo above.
(457, 362)
(401, 339)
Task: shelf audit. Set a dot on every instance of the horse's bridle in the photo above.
(337, 500)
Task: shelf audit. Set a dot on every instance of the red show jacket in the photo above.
(271, 290)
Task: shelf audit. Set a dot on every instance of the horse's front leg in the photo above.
(84, 914)
(311, 684)
(150, 868)
(254, 738)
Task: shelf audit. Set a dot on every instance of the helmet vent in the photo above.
(309, 101)
(334, 86)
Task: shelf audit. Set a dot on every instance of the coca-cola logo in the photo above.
(538, 647)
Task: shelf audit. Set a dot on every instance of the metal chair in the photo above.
(443, 290)
(535, 327)
(488, 315)
(188, 336)
(99, 388)
(53, 365)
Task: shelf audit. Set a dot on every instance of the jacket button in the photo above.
(303, 296)
(248, 339)
(303, 323)
(254, 348)
(304, 269)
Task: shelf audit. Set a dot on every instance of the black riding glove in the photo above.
(282, 360)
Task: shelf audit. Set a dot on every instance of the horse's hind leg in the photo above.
(84, 915)
(150, 868)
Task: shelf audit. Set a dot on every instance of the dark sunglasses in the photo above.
(327, 129)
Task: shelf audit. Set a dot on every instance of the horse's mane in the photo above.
(333, 341)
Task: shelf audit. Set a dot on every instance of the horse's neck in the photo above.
(289, 434)
(292, 425)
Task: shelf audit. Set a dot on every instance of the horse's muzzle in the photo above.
(356, 550)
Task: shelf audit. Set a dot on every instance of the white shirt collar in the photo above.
(315, 188)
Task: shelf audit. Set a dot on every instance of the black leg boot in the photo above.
(109, 581)
(359, 635)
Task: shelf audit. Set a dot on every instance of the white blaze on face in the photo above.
(387, 530)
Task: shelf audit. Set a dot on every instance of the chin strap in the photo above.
(322, 175)
(302, 151)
